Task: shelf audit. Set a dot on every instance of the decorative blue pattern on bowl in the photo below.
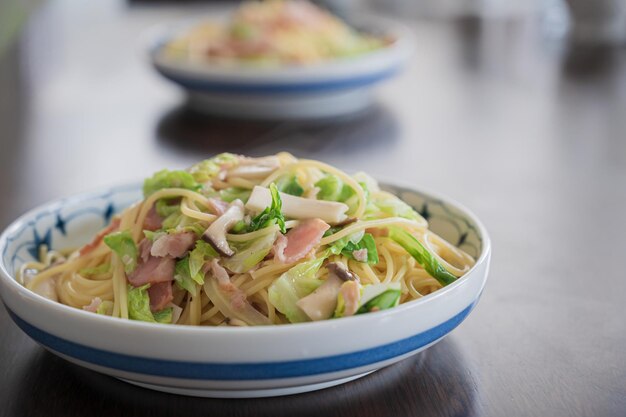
(59, 226)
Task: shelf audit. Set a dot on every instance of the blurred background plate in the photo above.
(330, 89)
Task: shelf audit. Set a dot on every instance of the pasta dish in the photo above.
(293, 32)
(240, 241)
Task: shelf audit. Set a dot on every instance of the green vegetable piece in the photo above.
(271, 215)
(291, 286)
(332, 230)
(197, 257)
(234, 193)
(95, 270)
(105, 308)
(397, 208)
(206, 170)
(172, 221)
(341, 307)
(289, 185)
(384, 301)
(339, 245)
(139, 304)
(163, 316)
(415, 248)
(169, 179)
(150, 235)
(331, 188)
(239, 227)
(124, 247)
(189, 226)
(178, 222)
(184, 279)
(164, 209)
(367, 242)
(248, 254)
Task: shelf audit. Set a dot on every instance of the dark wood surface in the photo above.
(499, 114)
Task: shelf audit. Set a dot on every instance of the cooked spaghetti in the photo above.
(252, 241)
(271, 32)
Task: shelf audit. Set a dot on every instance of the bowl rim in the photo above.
(115, 322)
(388, 58)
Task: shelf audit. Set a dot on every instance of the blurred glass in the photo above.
(598, 21)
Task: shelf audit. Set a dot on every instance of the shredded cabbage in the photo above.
(169, 179)
(248, 254)
(209, 168)
(202, 253)
(139, 304)
(234, 193)
(288, 184)
(123, 245)
(291, 286)
(184, 279)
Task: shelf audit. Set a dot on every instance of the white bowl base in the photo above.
(253, 393)
(282, 106)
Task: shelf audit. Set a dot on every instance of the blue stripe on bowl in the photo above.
(240, 371)
(224, 86)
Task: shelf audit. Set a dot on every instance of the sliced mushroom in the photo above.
(321, 303)
(341, 271)
(297, 207)
(216, 232)
(254, 168)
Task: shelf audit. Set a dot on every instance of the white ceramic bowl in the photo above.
(231, 362)
(334, 88)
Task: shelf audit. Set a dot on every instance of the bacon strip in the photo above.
(300, 240)
(153, 271)
(160, 295)
(153, 220)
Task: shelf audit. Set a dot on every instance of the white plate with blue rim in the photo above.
(330, 89)
(233, 362)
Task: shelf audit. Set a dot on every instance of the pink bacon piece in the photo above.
(153, 271)
(160, 295)
(300, 240)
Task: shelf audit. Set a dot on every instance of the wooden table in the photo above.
(528, 132)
